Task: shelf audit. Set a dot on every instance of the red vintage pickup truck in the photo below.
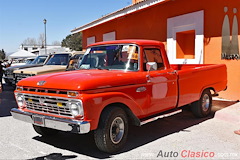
(118, 83)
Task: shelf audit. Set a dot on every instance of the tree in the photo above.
(30, 42)
(41, 40)
(2, 55)
(73, 41)
(33, 42)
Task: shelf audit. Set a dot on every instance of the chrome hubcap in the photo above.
(117, 130)
(205, 103)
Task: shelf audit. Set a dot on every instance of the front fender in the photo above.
(94, 104)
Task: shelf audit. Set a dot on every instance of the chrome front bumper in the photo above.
(79, 127)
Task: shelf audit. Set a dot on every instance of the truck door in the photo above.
(161, 83)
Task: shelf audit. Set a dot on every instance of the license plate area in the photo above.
(38, 120)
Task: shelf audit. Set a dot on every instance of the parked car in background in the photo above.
(56, 63)
(8, 72)
(22, 61)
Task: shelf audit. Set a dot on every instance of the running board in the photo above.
(160, 116)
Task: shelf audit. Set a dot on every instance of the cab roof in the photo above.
(140, 42)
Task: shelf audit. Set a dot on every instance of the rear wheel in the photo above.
(45, 131)
(202, 107)
(112, 131)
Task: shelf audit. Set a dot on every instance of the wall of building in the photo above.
(151, 23)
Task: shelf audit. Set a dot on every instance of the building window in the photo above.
(91, 40)
(109, 36)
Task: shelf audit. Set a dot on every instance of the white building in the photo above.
(40, 50)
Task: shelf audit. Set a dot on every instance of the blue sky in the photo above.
(22, 19)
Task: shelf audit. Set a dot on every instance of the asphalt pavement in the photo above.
(181, 136)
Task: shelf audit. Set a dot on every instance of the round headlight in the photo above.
(20, 101)
(76, 108)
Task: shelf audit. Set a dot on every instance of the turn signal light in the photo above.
(19, 88)
(72, 94)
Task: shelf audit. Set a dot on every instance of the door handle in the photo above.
(174, 72)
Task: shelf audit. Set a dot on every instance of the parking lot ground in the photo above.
(181, 136)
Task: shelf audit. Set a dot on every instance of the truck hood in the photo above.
(85, 79)
(42, 69)
(22, 67)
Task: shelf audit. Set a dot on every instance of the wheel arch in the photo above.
(211, 89)
(131, 117)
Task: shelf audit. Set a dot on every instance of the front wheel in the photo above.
(202, 107)
(112, 131)
(45, 131)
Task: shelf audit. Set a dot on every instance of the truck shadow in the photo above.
(84, 144)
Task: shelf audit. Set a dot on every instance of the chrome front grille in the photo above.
(22, 76)
(8, 73)
(46, 104)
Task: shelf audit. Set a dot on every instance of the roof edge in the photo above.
(119, 13)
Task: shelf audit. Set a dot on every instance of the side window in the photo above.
(153, 55)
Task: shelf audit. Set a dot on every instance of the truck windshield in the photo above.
(39, 60)
(58, 59)
(29, 61)
(111, 57)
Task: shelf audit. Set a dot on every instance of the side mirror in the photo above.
(151, 66)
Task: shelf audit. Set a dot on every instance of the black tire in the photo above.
(203, 106)
(45, 131)
(112, 131)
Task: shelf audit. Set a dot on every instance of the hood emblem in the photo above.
(41, 83)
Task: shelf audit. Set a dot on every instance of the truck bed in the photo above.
(194, 78)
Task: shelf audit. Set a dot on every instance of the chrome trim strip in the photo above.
(161, 116)
(11, 78)
(37, 95)
(79, 127)
(141, 89)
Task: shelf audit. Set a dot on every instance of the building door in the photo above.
(185, 35)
